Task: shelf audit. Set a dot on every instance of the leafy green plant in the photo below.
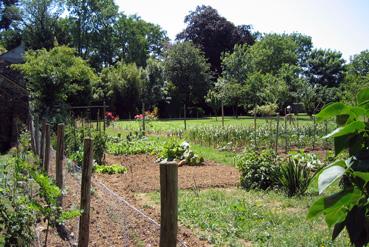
(259, 169)
(347, 208)
(99, 146)
(112, 169)
(297, 172)
(172, 150)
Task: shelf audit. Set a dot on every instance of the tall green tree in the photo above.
(92, 29)
(271, 52)
(9, 12)
(55, 78)
(136, 40)
(214, 34)
(356, 77)
(186, 67)
(325, 67)
(39, 21)
(121, 87)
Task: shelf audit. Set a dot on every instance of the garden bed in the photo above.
(143, 175)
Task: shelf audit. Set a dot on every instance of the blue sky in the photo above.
(341, 25)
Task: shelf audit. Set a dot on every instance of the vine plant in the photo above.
(348, 208)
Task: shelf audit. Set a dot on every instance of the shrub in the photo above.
(259, 169)
(297, 172)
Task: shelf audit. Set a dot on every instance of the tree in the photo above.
(304, 47)
(186, 68)
(155, 83)
(325, 67)
(214, 34)
(271, 52)
(9, 12)
(121, 85)
(356, 77)
(39, 21)
(55, 78)
(237, 65)
(137, 40)
(92, 29)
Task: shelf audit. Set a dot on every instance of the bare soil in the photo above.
(114, 223)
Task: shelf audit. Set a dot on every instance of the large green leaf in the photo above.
(351, 128)
(338, 205)
(363, 97)
(332, 110)
(317, 208)
(363, 175)
(331, 174)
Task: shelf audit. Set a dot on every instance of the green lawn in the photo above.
(235, 217)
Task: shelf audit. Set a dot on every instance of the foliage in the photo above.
(74, 141)
(40, 21)
(120, 146)
(99, 146)
(27, 195)
(265, 110)
(296, 172)
(9, 13)
(104, 36)
(54, 78)
(325, 67)
(16, 215)
(120, 87)
(348, 207)
(214, 34)
(271, 52)
(110, 169)
(357, 76)
(259, 169)
(187, 69)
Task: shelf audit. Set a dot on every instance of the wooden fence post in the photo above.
(286, 133)
(255, 144)
(59, 159)
(104, 112)
(277, 135)
(47, 149)
(37, 137)
(42, 149)
(222, 115)
(168, 203)
(185, 116)
(84, 221)
(143, 118)
(314, 132)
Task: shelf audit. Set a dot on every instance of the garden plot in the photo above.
(143, 175)
(114, 223)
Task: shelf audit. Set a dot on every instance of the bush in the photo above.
(297, 172)
(259, 169)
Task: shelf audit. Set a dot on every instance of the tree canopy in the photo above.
(214, 34)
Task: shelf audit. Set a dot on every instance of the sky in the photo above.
(341, 25)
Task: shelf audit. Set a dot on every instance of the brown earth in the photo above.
(114, 223)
